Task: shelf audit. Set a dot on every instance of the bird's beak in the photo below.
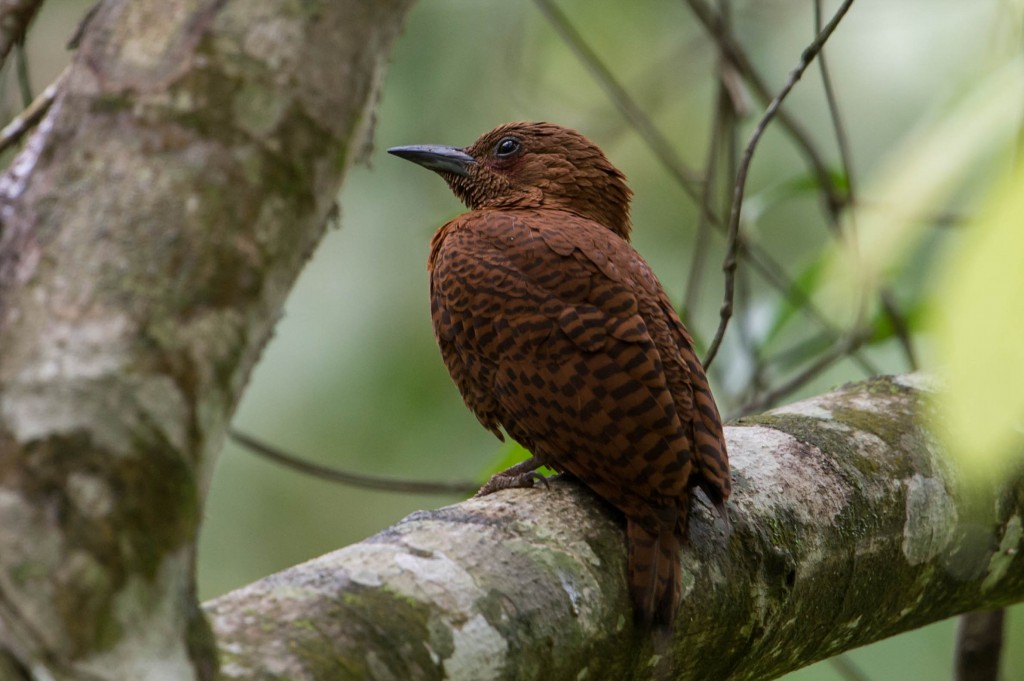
(437, 158)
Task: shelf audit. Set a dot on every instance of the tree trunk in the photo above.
(151, 228)
(848, 526)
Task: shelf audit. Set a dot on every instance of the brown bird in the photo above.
(556, 330)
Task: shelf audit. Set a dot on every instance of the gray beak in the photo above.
(437, 158)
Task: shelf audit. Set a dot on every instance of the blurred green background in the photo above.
(353, 378)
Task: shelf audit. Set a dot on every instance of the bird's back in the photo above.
(556, 329)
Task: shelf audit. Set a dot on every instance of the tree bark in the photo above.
(847, 526)
(151, 228)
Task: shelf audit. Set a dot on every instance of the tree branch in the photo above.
(847, 527)
(459, 488)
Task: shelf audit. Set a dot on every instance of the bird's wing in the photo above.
(556, 326)
(471, 372)
(710, 454)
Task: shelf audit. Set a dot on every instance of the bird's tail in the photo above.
(655, 574)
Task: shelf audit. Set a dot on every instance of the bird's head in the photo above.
(531, 165)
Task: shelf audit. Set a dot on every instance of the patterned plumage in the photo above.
(556, 330)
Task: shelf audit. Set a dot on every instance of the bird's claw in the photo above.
(500, 481)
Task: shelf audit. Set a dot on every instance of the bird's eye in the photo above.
(507, 146)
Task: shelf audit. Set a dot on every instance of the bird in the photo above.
(555, 330)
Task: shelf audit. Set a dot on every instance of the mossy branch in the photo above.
(848, 526)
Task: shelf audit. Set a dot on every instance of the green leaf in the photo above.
(882, 328)
(979, 318)
(799, 354)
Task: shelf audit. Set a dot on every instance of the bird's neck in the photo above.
(609, 214)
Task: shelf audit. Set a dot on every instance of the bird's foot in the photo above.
(523, 474)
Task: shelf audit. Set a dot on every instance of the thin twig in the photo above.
(721, 35)
(765, 400)
(847, 668)
(455, 488)
(842, 139)
(899, 326)
(24, 81)
(944, 219)
(798, 353)
(748, 343)
(728, 101)
(28, 118)
(888, 300)
(889, 305)
(703, 232)
(759, 259)
(773, 273)
(630, 110)
(729, 266)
